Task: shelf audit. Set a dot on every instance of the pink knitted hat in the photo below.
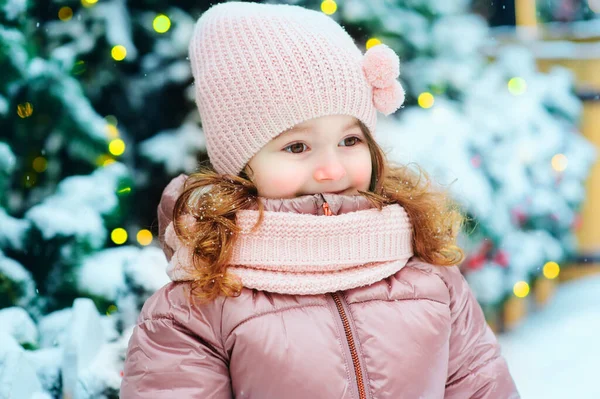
(260, 69)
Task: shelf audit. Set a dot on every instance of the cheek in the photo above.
(279, 182)
(361, 171)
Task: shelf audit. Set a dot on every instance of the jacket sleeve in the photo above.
(174, 354)
(476, 368)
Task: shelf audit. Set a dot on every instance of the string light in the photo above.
(24, 110)
(116, 147)
(125, 190)
(517, 86)
(372, 42)
(161, 23)
(551, 270)
(118, 53)
(426, 100)
(118, 236)
(329, 7)
(559, 162)
(144, 237)
(65, 13)
(88, 3)
(521, 289)
(40, 164)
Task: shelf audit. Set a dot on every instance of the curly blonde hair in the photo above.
(212, 200)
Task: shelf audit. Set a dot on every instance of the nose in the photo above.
(331, 169)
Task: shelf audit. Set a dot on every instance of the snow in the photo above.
(85, 337)
(21, 277)
(53, 326)
(17, 322)
(18, 378)
(101, 274)
(554, 353)
(176, 149)
(13, 232)
(14, 8)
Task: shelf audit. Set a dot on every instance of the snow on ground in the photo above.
(555, 352)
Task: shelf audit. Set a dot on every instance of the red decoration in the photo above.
(476, 262)
(577, 222)
(502, 258)
(476, 161)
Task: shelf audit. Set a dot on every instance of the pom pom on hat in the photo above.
(381, 67)
(388, 99)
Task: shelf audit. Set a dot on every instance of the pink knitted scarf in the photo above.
(297, 250)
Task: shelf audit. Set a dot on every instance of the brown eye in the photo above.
(295, 148)
(351, 141)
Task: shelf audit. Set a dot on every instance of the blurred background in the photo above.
(97, 115)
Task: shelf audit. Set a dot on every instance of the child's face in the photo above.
(323, 155)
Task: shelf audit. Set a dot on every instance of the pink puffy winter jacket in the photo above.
(416, 333)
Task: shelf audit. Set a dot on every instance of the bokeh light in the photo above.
(372, 42)
(118, 53)
(65, 13)
(329, 7)
(116, 147)
(551, 270)
(88, 3)
(118, 236)
(426, 100)
(29, 179)
(161, 23)
(111, 309)
(517, 86)
(40, 164)
(559, 162)
(144, 237)
(521, 289)
(594, 6)
(24, 110)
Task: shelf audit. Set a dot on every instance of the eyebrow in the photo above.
(306, 129)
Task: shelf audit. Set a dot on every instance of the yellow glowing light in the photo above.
(594, 6)
(372, 42)
(517, 86)
(118, 53)
(116, 147)
(65, 13)
(559, 162)
(104, 160)
(112, 131)
(25, 110)
(551, 270)
(40, 164)
(426, 100)
(161, 23)
(329, 7)
(125, 190)
(118, 236)
(521, 289)
(88, 3)
(111, 309)
(144, 237)
(108, 161)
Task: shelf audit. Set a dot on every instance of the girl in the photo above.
(304, 265)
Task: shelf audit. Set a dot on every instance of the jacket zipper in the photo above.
(362, 394)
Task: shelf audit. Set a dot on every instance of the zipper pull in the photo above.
(326, 209)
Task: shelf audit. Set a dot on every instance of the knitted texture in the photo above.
(305, 254)
(260, 69)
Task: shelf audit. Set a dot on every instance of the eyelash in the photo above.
(358, 140)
